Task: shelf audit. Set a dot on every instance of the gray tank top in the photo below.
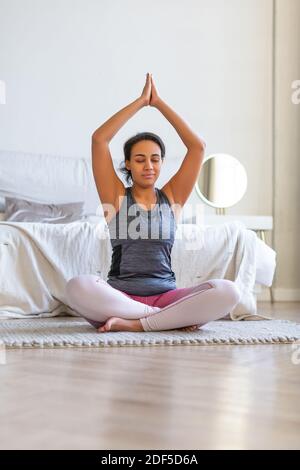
(142, 242)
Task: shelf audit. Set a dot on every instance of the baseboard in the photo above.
(279, 294)
(286, 295)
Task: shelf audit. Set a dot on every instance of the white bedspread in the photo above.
(227, 251)
(38, 259)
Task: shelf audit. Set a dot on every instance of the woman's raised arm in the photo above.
(183, 182)
(107, 130)
(109, 185)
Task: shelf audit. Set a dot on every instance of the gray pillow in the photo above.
(20, 210)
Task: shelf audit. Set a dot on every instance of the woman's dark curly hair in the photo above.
(129, 144)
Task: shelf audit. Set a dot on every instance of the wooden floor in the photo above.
(156, 397)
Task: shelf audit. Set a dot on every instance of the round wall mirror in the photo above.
(222, 181)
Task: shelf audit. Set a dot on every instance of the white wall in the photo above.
(70, 64)
(287, 151)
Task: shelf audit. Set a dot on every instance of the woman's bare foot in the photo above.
(189, 328)
(120, 324)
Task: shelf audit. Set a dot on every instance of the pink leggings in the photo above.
(95, 300)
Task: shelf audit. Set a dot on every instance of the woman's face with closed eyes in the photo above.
(145, 162)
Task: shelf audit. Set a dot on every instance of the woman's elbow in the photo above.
(201, 143)
(97, 136)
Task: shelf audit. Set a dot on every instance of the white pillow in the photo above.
(48, 179)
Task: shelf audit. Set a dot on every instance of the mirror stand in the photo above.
(220, 210)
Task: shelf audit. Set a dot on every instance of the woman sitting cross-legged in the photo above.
(140, 293)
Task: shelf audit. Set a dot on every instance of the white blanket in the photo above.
(227, 251)
(38, 259)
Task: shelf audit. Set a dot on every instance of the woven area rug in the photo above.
(60, 332)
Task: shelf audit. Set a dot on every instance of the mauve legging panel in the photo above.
(95, 300)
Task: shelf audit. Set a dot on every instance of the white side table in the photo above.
(253, 222)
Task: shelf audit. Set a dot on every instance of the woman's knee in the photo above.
(78, 286)
(228, 290)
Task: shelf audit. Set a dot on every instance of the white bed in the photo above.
(265, 261)
(37, 260)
